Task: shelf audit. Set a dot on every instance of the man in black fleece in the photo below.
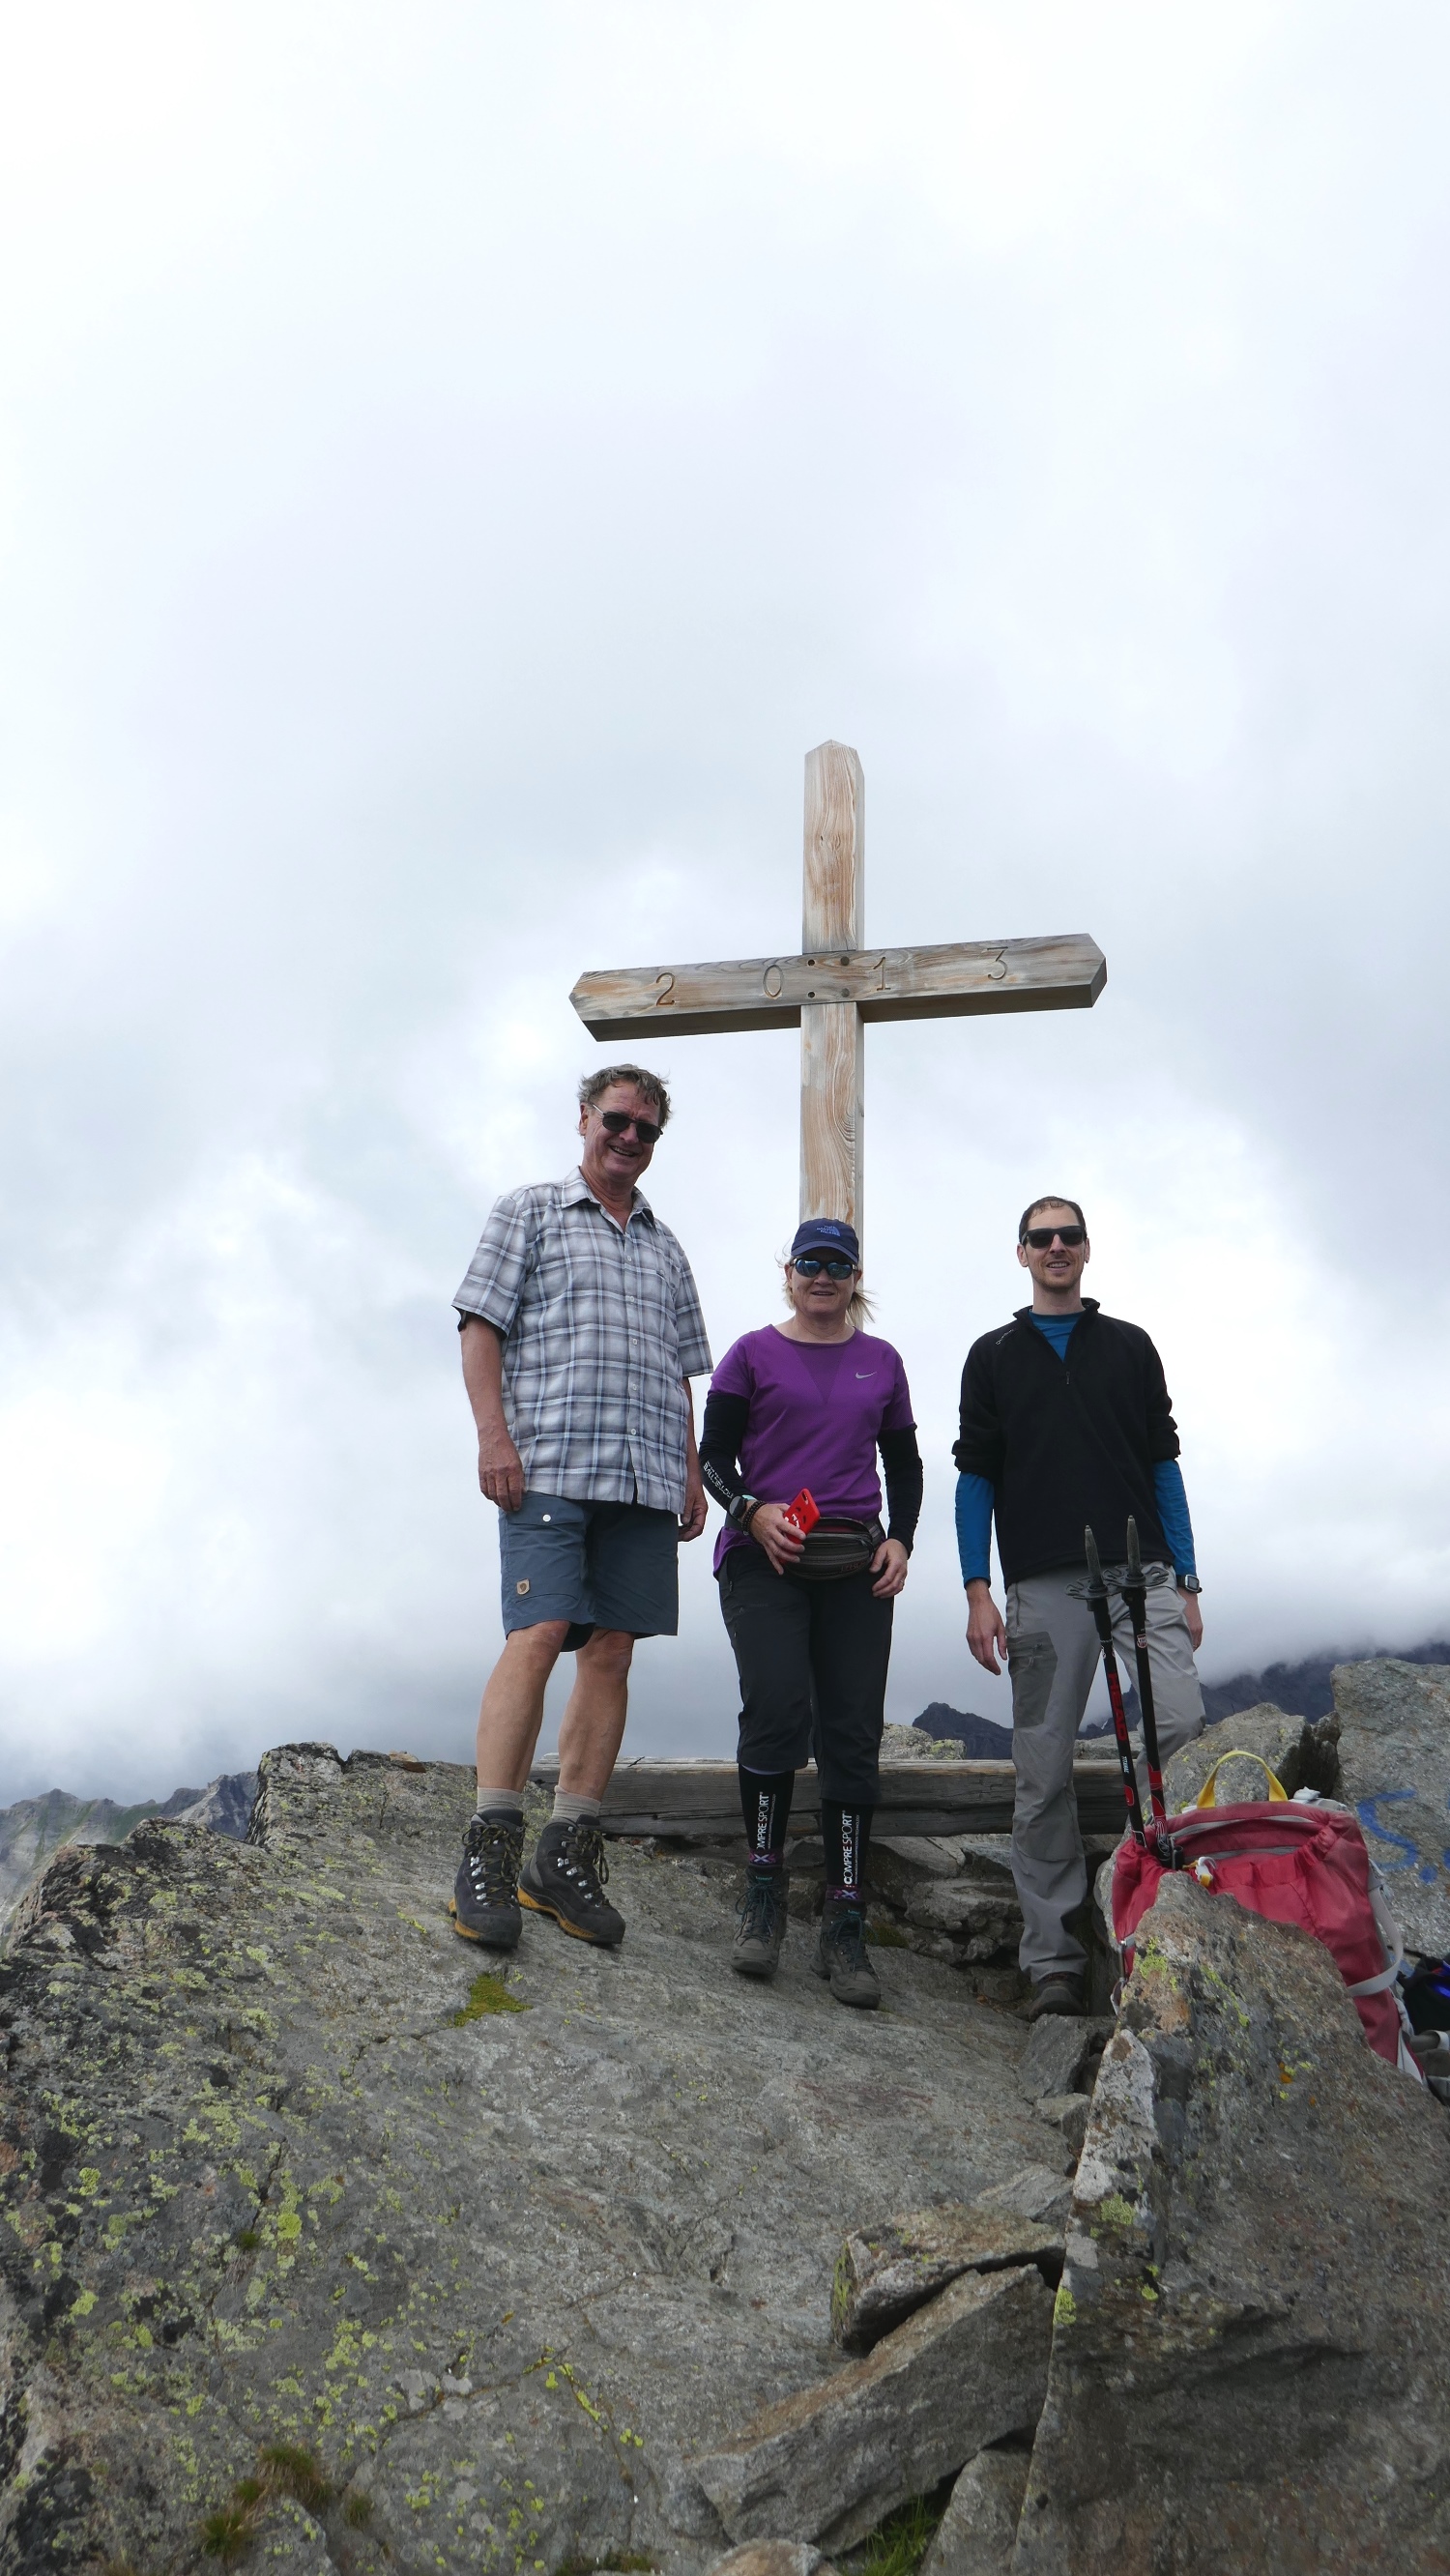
(1066, 1424)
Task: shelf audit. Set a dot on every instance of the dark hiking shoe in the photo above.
(485, 1900)
(1056, 1995)
(755, 1950)
(566, 1878)
(841, 1955)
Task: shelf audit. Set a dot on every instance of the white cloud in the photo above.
(454, 465)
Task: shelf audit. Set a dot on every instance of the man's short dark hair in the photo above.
(1054, 1198)
(594, 1086)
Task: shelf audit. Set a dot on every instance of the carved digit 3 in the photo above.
(997, 971)
(668, 994)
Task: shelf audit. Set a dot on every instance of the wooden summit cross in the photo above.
(837, 984)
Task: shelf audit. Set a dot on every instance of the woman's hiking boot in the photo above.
(566, 1878)
(755, 1950)
(485, 1900)
(841, 1955)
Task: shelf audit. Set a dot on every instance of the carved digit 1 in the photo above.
(668, 994)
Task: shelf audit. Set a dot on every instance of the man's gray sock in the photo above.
(569, 1810)
(501, 1802)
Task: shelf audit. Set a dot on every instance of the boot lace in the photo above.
(758, 1907)
(493, 1852)
(580, 1858)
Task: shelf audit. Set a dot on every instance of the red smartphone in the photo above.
(803, 1513)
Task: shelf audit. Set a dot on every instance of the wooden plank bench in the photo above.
(701, 1800)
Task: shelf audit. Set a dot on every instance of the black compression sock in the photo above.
(765, 1798)
(847, 1835)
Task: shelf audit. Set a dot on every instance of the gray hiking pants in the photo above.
(1052, 1654)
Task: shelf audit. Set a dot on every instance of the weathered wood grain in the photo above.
(834, 874)
(833, 1052)
(962, 979)
(702, 1799)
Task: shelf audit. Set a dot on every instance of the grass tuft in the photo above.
(358, 2510)
(227, 2532)
(290, 2469)
(903, 2539)
(487, 1994)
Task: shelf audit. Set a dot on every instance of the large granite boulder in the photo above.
(485, 2249)
(1394, 1749)
(830, 2463)
(1250, 2366)
(883, 2274)
(1300, 1755)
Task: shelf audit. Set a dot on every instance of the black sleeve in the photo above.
(1163, 1440)
(901, 1464)
(724, 1429)
(978, 1449)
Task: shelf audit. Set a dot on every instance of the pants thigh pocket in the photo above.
(1032, 1663)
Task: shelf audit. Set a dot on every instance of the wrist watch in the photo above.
(1189, 1583)
(741, 1509)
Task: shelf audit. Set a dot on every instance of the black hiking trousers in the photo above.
(812, 1660)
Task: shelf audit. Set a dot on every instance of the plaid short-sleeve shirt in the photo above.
(600, 1324)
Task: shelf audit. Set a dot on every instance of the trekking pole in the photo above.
(1099, 1600)
(1134, 1586)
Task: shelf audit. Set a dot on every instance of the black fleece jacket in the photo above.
(1067, 1444)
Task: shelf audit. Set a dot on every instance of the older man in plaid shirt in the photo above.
(581, 1330)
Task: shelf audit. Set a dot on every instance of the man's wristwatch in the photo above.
(740, 1510)
(1189, 1583)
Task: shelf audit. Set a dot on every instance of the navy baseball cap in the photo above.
(827, 1234)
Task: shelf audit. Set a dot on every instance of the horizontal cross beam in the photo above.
(961, 980)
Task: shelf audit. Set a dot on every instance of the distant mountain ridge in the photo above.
(34, 1828)
(1300, 1690)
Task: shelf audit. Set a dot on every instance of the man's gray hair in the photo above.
(594, 1086)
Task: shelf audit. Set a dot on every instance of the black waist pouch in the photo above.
(837, 1547)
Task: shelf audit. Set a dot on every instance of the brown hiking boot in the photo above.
(841, 1955)
(755, 1950)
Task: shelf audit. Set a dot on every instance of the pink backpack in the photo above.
(1294, 1863)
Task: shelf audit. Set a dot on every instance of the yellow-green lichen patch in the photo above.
(1064, 2307)
(487, 1994)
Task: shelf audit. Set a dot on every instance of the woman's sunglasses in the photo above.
(809, 1265)
(616, 1122)
(1041, 1237)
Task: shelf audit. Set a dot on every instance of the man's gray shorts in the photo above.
(598, 1565)
(1053, 1655)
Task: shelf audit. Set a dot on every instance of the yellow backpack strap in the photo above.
(1277, 1790)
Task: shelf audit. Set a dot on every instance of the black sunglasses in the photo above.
(809, 1265)
(1041, 1236)
(617, 1122)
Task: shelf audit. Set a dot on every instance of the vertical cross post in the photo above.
(833, 1038)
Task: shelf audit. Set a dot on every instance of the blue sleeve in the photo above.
(975, 1495)
(1172, 1512)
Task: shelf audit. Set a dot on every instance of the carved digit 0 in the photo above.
(774, 982)
(668, 993)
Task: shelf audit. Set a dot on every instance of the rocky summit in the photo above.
(334, 2242)
(493, 2250)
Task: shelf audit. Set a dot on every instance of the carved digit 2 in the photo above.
(668, 994)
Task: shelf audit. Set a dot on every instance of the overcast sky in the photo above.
(455, 462)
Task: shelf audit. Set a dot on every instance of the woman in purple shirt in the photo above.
(809, 1403)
